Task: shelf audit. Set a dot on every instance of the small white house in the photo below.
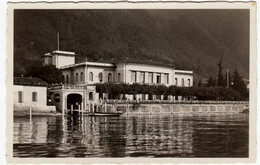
(29, 93)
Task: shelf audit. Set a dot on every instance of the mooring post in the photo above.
(82, 107)
(71, 109)
(30, 115)
(82, 112)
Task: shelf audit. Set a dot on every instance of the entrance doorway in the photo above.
(75, 100)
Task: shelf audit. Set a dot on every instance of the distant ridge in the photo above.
(186, 39)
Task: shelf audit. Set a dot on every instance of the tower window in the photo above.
(90, 76)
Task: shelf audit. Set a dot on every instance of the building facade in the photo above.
(79, 79)
(30, 92)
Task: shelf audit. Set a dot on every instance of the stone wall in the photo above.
(176, 108)
(37, 109)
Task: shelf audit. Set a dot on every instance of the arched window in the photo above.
(90, 76)
(100, 77)
(63, 79)
(81, 76)
(189, 83)
(67, 79)
(77, 77)
(90, 95)
(176, 81)
(119, 77)
(182, 82)
(57, 97)
(109, 78)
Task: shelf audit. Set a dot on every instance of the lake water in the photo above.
(178, 135)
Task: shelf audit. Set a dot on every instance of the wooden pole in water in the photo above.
(71, 109)
(30, 115)
(82, 112)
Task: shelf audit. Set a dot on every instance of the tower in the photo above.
(59, 58)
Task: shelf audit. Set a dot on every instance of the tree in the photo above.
(211, 82)
(199, 83)
(48, 73)
(221, 80)
(239, 85)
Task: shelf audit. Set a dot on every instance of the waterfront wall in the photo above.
(174, 108)
(35, 109)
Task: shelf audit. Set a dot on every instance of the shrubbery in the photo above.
(200, 93)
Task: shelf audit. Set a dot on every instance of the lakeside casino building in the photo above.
(79, 79)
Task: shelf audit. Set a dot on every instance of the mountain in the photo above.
(188, 39)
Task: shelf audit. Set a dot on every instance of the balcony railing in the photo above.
(65, 86)
(171, 102)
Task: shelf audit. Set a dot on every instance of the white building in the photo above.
(80, 78)
(30, 92)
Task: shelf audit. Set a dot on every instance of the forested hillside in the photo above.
(188, 39)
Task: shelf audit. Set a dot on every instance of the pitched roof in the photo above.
(29, 81)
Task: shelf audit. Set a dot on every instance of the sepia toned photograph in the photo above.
(129, 81)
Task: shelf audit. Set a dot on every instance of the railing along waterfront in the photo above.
(64, 86)
(117, 101)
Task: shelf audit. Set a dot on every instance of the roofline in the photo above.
(88, 64)
(161, 65)
(30, 85)
(183, 71)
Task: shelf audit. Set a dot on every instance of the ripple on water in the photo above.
(215, 135)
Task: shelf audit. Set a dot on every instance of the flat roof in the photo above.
(59, 52)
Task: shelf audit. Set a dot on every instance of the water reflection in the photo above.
(179, 135)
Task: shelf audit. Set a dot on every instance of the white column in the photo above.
(163, 78)
(146, 77)
(137, 76)
(154, 78)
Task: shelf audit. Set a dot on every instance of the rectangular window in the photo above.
(20, 96)
(133, 76)
(34, 96)
(158, 78)
(167, 78)
(142, 78)
(150, 77)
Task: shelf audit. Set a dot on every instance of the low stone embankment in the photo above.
(174, 108)
(35, 110)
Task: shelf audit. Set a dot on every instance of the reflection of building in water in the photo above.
(162, 135)
(104, 135)
(37, 132)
